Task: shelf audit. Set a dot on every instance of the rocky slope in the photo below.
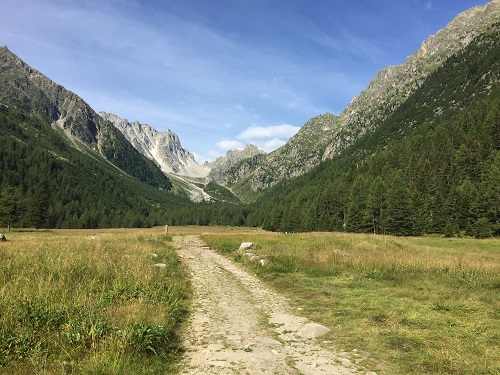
(235, 165)
(394, 84)
(327, 135)
(164, 148)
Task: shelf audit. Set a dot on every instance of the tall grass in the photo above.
(412, 305)
(90, 302)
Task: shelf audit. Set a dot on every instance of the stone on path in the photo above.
(313, 330)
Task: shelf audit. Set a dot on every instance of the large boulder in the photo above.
(246, 246)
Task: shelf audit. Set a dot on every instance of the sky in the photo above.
(220, 73)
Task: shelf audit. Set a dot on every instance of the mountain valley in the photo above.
(416, 152)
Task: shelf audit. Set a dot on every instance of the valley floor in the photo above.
(239, 326)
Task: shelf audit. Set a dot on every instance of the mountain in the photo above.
(63, 166)
(235, 161)
(164, 148)
(325, 136)
(28, 90)
(431, 165)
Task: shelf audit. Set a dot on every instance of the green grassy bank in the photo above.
(399, 305)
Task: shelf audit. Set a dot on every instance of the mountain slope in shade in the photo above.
(164, 148)
(28, 90)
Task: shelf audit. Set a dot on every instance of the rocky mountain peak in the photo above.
(234, 159)
(164, 148)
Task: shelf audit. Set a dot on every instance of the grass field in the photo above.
(90, 302)
(93, 302)
(400, 305)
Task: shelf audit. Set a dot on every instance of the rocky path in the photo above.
(239, 326)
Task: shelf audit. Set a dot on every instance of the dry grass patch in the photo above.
(90, 302)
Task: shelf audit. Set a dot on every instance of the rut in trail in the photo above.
(239, 326)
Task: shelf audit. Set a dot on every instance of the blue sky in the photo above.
(220, 73)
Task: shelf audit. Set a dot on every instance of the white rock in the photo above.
(246, 245)
(160, 265)
(313, 330)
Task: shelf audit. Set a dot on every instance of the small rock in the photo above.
(313, 330)
(160, 265)
(346, 362)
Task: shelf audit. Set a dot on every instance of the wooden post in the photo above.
(166, 230)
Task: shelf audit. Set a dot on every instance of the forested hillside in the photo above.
(45, 182)
(432, 167)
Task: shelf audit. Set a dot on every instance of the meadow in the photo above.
(424, 305)
(91, 302)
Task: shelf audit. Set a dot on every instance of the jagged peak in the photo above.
(164, 148)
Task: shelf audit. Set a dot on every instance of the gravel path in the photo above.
(239, 326)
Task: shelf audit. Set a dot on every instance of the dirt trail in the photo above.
(239, 326)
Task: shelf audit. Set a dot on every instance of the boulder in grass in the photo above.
(246, 246)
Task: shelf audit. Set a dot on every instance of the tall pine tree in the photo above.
(400, 210)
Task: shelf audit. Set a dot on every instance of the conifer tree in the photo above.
(10, 204)
(400, 210)
(356, 218)
(492, 195)
(377, 205)
(38, 204)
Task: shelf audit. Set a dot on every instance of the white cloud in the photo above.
(266, 138)
(263, 132)
(429, 5)
(227, 145)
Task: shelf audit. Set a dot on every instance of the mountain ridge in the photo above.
(386, 92)
(28, 90)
